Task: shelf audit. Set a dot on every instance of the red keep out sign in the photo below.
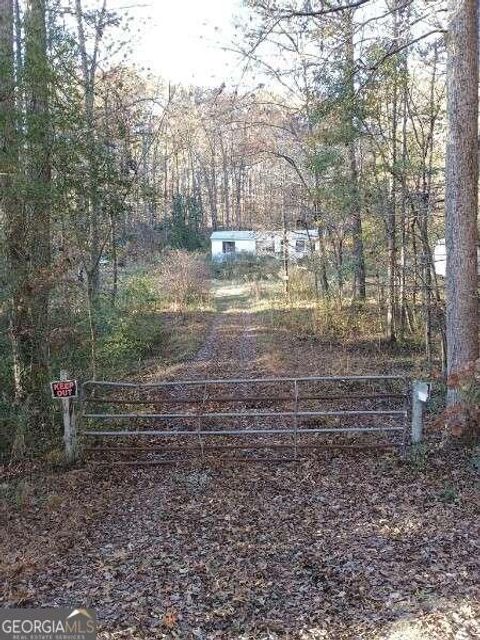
(64, 389)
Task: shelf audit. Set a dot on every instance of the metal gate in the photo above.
(164, 422)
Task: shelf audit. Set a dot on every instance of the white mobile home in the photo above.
(300, 243)
(440, 258)
(225, 244)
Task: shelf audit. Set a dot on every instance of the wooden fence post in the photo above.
(69, 425)
(421, 393)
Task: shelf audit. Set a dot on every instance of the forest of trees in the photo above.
(341, 126)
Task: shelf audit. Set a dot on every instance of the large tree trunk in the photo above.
(461, 195)
(209, 177)
(225, 183)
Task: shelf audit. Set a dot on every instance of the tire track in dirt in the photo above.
(230, 348)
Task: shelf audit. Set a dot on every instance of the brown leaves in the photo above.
(461, 421)
(170, 619)
(343, 546)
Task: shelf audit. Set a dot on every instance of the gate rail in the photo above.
(197, 418)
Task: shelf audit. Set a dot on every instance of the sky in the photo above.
(185, 41)
(182, 40)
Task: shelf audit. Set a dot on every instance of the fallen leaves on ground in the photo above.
(337, 547)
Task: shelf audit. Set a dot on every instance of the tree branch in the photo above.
(321, 12)
(393, 51)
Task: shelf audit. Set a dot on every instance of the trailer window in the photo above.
(228, 247)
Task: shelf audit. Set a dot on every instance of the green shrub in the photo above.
(127, 332)
(139, 293)
(130, 339)
(418, 456)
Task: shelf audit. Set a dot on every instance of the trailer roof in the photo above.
(253, 235)
(233, 235)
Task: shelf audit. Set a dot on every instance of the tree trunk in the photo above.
(392, 207)
(285, 252)
(27, 222)
(113, 241)
(225, 184)
(324, 284)
(12, 208)
(38, 164)
(355, 207)
(402, 267)
(92, 203)
(461, 194)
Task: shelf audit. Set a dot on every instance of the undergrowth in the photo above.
(308, 315)
(150, 324)
(247, 268)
